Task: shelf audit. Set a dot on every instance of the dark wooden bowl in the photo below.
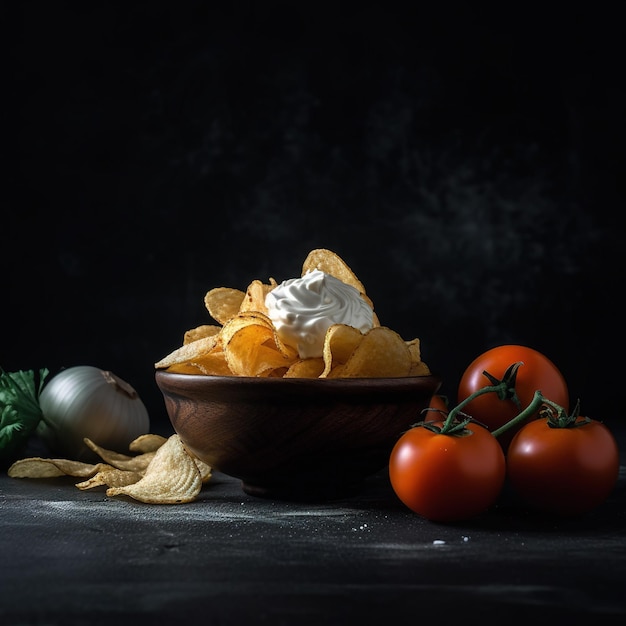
(294, 438)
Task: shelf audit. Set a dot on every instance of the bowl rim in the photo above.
(198, 379)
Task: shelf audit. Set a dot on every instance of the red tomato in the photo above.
(568, 471)
(445, 477)
(537, 372)
(438, 402)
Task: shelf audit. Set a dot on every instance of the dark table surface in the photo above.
(78, 557)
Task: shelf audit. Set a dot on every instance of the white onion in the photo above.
(85, 401)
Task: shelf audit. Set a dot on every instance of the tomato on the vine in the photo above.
(447, 477)
(563, 470)
(536, 372)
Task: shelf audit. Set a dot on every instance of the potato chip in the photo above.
(256, 330)
(277, 372)
(254, 300)
(247, 354)
(146, 443)
(381, 353)
(306, 368)
(122, 461)
(38, 467)
(110, 477)
(188, 352)
(340, 342)
(199, 332)
(419, 369)
(243, 319)
(273, 338)
(206, 471)
(34, 467)
(330, 263)
(184, 368)
(172, 477)
(252, 346)
(212, 364)
(337, 371)
(222, 303)
(414, 346)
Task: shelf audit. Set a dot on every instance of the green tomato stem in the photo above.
(452, 415)
(504, 389)
(532, 408)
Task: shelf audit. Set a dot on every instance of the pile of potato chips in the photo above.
(160, 470)
(244, 342)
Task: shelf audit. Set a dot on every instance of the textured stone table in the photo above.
(77, 557)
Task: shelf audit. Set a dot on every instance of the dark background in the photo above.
(466, 163)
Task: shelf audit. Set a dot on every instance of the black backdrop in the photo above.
(466, 164)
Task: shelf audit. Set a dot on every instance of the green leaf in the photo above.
(20, 412)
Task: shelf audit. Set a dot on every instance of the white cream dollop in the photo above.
(303, 309)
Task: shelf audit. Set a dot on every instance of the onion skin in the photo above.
(85, 401)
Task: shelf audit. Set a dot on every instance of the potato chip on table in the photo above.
(39, 467)
(163, 471)
(172, 477)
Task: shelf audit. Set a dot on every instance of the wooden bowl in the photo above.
(294, 438)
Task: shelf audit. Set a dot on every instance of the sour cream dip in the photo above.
(303, 309)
